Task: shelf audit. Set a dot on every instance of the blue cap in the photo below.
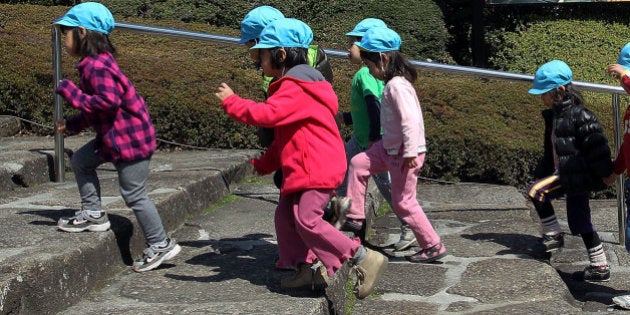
(379, 39)
(365, 25)
(285, 33)
(91, 15)
(255, 21)
(550, 76)
(624, 57)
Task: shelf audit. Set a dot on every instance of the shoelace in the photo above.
(360, 273)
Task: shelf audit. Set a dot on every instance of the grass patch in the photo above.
(351, 300)
(226, 200)
(384, 209)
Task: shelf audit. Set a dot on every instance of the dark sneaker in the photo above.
(82, 221)
(154, 255)
(368, 271)
(354, 226)
(548, 243)
(597, 273)
(428, 255)
(307, 276)
(407, 238)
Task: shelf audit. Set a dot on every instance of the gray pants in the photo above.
(383, 183)
(132, 179)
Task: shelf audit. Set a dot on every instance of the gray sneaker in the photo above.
(407, 238)
(82, 221)
(154, 255)
(341, 206)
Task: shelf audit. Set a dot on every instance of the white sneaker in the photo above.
(406, 238)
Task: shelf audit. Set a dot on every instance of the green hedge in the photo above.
(477, 129)
(419, 22)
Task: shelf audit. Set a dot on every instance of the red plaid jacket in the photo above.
(109, 105)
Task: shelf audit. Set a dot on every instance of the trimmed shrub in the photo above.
(477, 130)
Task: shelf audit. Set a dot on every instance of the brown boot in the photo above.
(307, 276)
(368, 271)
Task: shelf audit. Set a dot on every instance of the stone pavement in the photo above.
(223, 218)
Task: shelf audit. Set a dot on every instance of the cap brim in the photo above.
(356, 34)
(65, 22)
(537, 91)
(262, 46)
(358, 44)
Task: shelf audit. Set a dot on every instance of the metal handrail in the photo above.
(615, 91)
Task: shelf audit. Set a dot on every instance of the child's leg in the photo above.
(84, 164)
(541, 192)
(132, 179)
(90, 217)
(362, 166)
(352, 149)
(405, 203)
(329, 244)
(291, 248)
(579, 213)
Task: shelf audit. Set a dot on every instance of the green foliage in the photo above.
(481, 130)
(419, 22)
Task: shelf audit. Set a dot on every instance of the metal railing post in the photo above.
(59, 159)
(621, 204)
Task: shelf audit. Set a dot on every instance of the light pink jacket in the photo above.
(401, 119)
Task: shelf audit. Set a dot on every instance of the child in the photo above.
(402, 149)
(252, 25)
(125, 136)
(364, 116)
(308, 147)
(621, 71)
(576, 160)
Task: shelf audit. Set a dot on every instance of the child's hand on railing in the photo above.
(223, 91)
(60, 126)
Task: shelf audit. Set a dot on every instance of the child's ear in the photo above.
(282, 54)
(562, 89)
(385, 59)
(82, 32)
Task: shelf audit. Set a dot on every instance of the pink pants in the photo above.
(303, 235)
(404, 181)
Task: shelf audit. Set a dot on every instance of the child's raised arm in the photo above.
(223, 91)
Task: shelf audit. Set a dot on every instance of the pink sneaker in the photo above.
(428, 255)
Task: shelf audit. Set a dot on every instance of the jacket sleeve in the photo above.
(625, 81)
(374, 115)
(619, 166)
(76, 123)
(594, 146)
(269, 161)
(279, 109)
(106, 95)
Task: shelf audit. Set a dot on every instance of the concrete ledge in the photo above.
(43, 271)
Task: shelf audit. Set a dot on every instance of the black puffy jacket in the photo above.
(581, 146)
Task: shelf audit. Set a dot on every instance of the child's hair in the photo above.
(294, 56)
(93, 43)
(398, 65)
(570, 93)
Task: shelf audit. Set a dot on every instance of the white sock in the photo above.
(550, 225)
